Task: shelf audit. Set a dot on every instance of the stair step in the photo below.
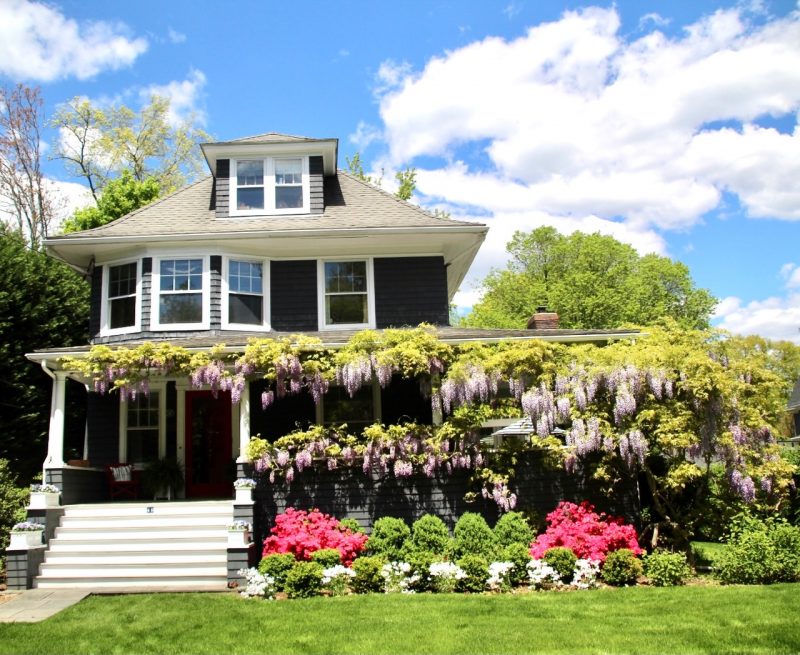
(184, 544)
(173, 571)
(135, 557)
(109, 523)
(119, 534)
(142, 584)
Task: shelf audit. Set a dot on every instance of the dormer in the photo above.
(270, 175)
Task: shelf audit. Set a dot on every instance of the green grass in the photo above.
(707, 551)
(708, 619)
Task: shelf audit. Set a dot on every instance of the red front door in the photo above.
(208, 444)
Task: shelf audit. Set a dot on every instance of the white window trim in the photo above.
(155, 295)
(161, 387)
(265, 286)
(105, 314)
(322, 325)
(269, 188)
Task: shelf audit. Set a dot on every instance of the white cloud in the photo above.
(185, 98)
(791, 274)
(175, 37)
(653, 18)
(38, 42)
(587, 128)
(774, 318)
(364, 135)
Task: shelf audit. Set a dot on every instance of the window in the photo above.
(347, 294)
(180, 298)
(270, 186)
(143, 428)
(120, 288)
(245, 304)
(358, 412)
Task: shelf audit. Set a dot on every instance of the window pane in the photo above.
(250, 198)
(142, 445)
(245, 309)
(355, 411)
(288, 197)
(249, 278)
(346, 309)
(123, 312)
(345, 277)
(122, 280)
(288, 171)
(181, 308)
(249, 172)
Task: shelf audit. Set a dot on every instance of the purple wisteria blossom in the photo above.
(743, 485)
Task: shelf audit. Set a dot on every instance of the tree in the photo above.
(119, 197)
(356, 169)
(43, 303)
(25, 196)
(407, 180)
(98, 145)
(592, 281)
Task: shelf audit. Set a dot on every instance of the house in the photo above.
(276, 241)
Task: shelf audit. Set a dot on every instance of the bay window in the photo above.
(180, 293)
(245, 304)
(120, 306)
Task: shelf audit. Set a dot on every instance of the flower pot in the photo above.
(244, 496)
(238, 538)
(25, 540)
(43, 500)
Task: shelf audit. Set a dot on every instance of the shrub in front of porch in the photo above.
(303, 533)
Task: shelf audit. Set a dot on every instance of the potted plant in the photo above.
(26, 535)
(44, 496)
(162, 477)
(239, 534)
(244, 490)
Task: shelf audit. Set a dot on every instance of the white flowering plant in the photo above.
(542, 575)
(445, 576)
(244, 483)
(336, 579)
(585, 574)
(240, 526)
(398, 578)
(45, 489)
(27, 526)
(259, 585)
(500, 576)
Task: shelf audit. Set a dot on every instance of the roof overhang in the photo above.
(327, 148)
(457, 245)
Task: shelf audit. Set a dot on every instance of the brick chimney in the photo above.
(543, 320)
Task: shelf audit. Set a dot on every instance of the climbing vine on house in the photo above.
(669, 408)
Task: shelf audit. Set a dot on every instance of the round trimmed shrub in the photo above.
(327, 557)
(304, 580)
(477, 572)
(429, 534)
(368, 578)
(621, 568)
(387, 538)
(353, 525)
(517, 553)
(513, 528)
(277, 566)
(562, 560)
(665, 569)
(473, 536)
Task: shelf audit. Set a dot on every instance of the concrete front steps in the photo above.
(158, 546)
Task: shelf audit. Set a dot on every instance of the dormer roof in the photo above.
(273, 143)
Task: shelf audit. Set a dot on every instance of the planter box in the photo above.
(244, 496)
(25, 540)
(238, 538)
(43, 500)
(83, 463)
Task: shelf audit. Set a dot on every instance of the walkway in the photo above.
(36, 605)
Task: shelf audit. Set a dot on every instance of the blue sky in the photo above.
(672, 126)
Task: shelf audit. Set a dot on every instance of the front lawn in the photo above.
(757, 619)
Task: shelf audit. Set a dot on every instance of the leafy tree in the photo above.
(23, 191)
(43, 303)
(356, 169)
(407, 180)
(98, 145)
(592, 281)
(119, 197)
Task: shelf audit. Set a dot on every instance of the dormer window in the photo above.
(272, 185)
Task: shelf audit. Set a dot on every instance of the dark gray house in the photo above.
(275, 241)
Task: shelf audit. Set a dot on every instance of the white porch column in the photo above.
(244, 423)
(438, 419)
(55, 440)
(181, 386)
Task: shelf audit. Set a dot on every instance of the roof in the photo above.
(235, 340)
(349, 203)
(794, 399)
(271, 137)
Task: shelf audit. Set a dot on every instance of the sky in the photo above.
(672, 126)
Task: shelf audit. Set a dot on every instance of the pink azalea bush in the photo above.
(588, 534)
(303, 533)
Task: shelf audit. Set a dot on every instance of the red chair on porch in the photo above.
(122, 481)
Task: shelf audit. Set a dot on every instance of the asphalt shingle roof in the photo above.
(350, 203)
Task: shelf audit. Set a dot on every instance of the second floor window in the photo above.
(245, 293)
(180, 296)
(122, 296)
(346, 293)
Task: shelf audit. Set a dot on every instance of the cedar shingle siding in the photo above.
(293, 295)
(410, 291)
